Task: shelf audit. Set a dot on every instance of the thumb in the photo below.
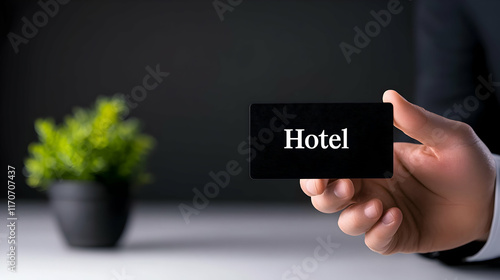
(426, 127)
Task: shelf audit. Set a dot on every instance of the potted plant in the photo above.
(88, 164)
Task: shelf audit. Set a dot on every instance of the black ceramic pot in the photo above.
(90, 214)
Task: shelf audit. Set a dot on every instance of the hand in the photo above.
(440, 197)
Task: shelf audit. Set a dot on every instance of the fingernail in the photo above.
(371, 211)
(340, 192)
(388, 218)
(311, 187)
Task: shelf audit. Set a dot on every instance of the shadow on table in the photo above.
(226, 242)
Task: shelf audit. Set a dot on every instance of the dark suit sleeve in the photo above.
(451, 62)
(449, 59)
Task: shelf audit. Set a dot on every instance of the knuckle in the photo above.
(464, 130)
(381, 245)
(349, 224)
(302, 184)
(328, 203)
(375, 246)
(321, 205)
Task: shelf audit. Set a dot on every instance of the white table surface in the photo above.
(226, 241)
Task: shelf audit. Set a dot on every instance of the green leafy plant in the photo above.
(94, 144)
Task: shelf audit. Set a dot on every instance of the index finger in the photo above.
(313, 187)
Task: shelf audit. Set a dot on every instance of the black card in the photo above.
(334, 140)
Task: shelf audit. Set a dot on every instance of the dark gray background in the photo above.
(263, 51)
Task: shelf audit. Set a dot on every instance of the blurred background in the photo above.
(210, 59)
(258, 51)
